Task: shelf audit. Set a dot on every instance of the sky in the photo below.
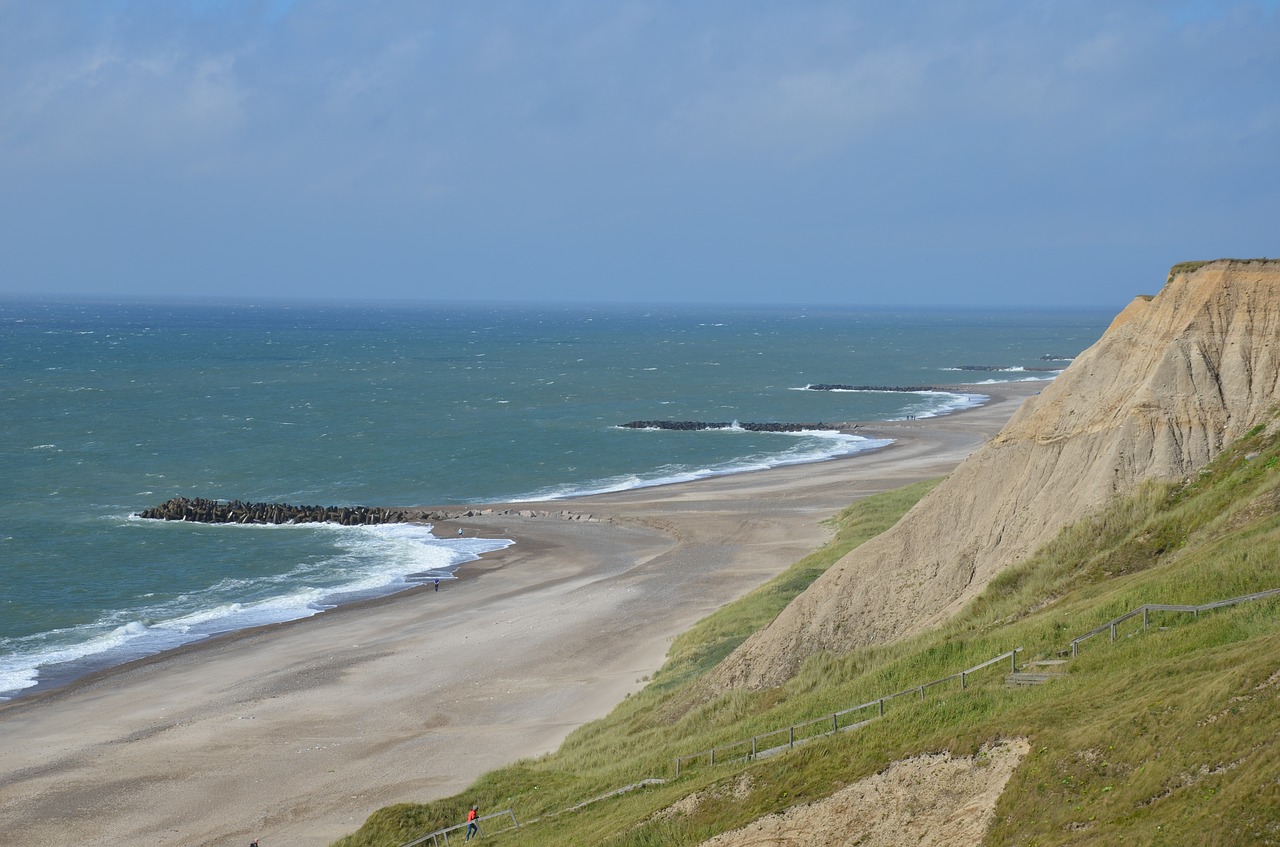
(981, 153)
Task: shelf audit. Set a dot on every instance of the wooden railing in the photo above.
(1146, 610)
(786, 738)
(441, 836)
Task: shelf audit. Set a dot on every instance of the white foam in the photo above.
(1039, 377)
(947, 402)
(15, 678)
(374, 560)
(829, 445)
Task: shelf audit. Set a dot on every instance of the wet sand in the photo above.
(295, 733)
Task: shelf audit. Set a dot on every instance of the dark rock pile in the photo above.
(827, 386)
(490, 511)
(200, 510)
(753, 427)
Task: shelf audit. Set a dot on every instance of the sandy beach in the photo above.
(295, 733)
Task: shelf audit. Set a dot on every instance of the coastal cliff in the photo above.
(1175, 378)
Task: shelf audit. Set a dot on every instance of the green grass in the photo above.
(1165, 737)
(1188, 267)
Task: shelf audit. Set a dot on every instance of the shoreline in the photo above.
(298, 730)
(87, 670)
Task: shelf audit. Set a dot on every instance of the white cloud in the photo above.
(725, 122)
(102, 104)
(805, 110)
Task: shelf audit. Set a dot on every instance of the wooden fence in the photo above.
(1146, 610)
(785, 739)
(441, 836)
(769, 743)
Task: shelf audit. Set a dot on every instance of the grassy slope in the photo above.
(1165, 737)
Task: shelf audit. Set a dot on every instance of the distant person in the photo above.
(473, 825)
(437, 583)
(459, 530)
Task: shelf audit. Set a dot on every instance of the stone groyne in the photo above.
(996, 368)
(751, 427)
(199, 510)
(835, 386)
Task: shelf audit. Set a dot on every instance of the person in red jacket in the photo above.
(473, 826)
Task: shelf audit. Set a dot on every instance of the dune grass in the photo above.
(1165, 737)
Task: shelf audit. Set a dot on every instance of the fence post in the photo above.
(713, 755)
(1013, 661)
(792, 732)
(835, 723)
(962, 685)
(1075, 649)
(753, 746)
(881, 707)
(677, 776)
(1146, 618)
(1113, 632)
(922, 694)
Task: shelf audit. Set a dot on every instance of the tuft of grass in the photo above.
(1189, 267)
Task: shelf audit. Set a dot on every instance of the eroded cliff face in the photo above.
(1174, 379)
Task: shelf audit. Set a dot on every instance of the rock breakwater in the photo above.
(999, 368)
(907, 389)
(751, 427)
(199, 510)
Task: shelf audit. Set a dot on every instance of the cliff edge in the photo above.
(1174, 378)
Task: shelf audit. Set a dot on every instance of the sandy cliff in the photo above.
(925, 801)
(1173, 379)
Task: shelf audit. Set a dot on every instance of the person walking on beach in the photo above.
(473, 826)
(437, 583)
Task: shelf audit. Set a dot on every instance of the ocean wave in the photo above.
(945, 403)
(994, 381)
(935, 403)
(1024, 376)
(811, 446)
(372, 561)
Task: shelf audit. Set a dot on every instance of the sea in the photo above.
(111, 407)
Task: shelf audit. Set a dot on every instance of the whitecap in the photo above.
(810, 446)
(372, 561)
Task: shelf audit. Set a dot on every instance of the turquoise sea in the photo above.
(109, 408)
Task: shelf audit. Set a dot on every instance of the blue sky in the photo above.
(850, 153)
